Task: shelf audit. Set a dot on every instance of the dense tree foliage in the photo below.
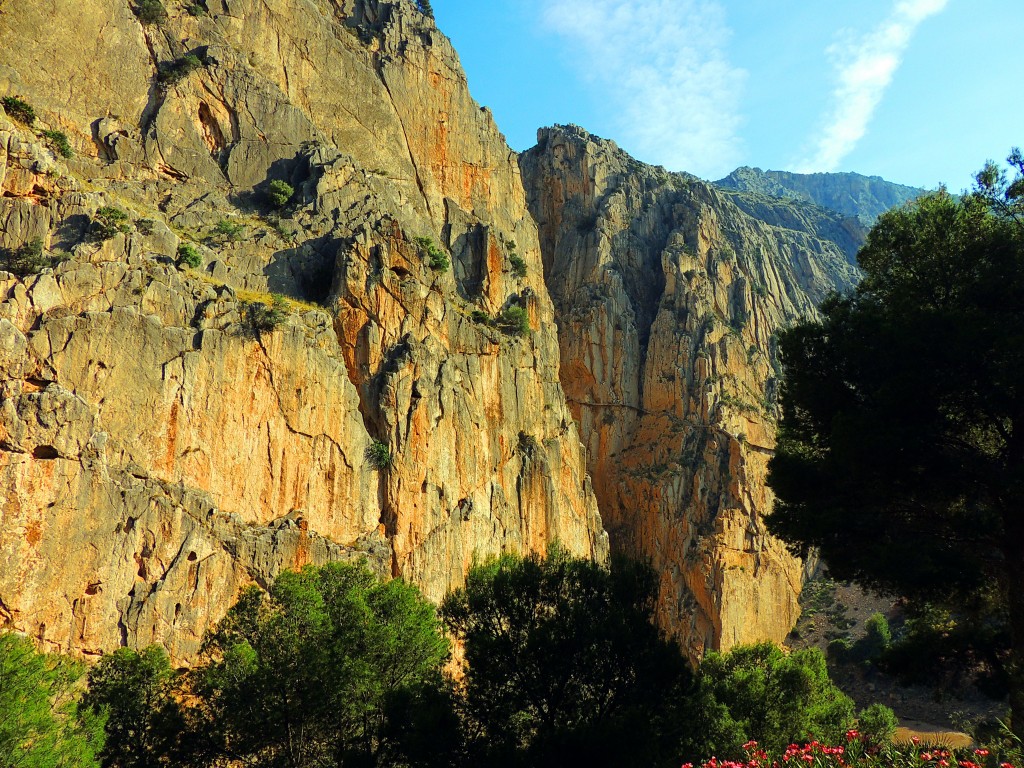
(564, 666)
(41, 723)
(901, 453)
(303, 675)
(330, 668)
(140, 695)
(776, 698)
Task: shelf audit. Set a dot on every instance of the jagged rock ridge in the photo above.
(851, 194)
(157, 453)
(668, 294)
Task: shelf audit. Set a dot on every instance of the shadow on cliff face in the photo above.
(305, 271)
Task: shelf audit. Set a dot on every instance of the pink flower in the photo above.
(915, 740)
(981, 752)
(852, 734)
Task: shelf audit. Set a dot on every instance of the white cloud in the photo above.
(662, 69)
(866, 67)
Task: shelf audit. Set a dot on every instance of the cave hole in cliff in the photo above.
(45, 452)
(212, 134)
(93, 588)
(177, 611)
(191, 557)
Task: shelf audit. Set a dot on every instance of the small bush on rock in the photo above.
(59, 141)
(150, 11)
(378, 454)
(108, 222)
(189, 256)
(515, 321)
(518, 265)
(259, 317)
(19, 109)
(280, 193)
(229, 230)
(26, 260)
(179, 69)
(439, 261)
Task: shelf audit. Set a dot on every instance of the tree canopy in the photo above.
(41, 724)
(301, 675)
(901, 450)
(564, 666)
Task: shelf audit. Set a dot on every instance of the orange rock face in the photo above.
(158, 449)
(668, 295)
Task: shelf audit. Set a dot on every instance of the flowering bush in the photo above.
(859, 752)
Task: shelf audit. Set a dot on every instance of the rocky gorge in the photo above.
(474, 352)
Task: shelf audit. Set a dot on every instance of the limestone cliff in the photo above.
(668, 294)
(854, 195)
(159, 450)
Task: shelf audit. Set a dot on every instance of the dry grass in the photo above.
(931, 735)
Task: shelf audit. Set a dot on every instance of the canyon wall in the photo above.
(669, 292)
(160, 449)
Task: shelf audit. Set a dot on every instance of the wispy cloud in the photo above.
(662, 69)
(866, 67)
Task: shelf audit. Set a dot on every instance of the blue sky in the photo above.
(920, 92)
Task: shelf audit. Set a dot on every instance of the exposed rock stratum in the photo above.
(602, 336)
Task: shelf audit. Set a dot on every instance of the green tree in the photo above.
(901, 451)
(139, 694)
(425, 8)
(564, 667)
(776, 698)
(279, 193)
(304, 675)
(41, 724)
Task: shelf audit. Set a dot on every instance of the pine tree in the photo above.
(425, 9)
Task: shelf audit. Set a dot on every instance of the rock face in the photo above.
(159, 447)
(851, 194)
(668, 294)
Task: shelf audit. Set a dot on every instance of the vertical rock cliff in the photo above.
(668, 293)
(158, 449)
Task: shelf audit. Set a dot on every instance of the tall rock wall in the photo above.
(158, 452)
(668, 294)
(862, 198)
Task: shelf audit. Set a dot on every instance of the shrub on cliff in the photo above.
(189, 256)
(150, 11)
(109, 221)
(58, 140)
(175, 71)
(27, 259)
(514, 320)
(518, 265)
(438, 259)
(18, 109)
(279, 193)
(259, 317)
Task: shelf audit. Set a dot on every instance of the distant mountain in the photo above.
(851, 194)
